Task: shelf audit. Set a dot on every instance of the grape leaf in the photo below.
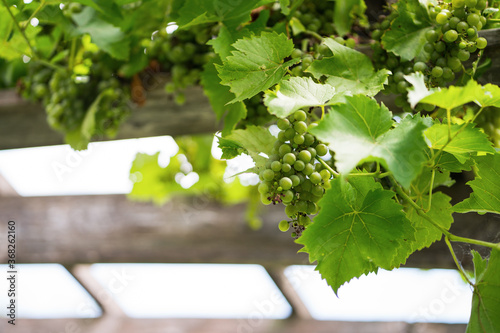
(12, 43)
(491, 96)
(285, 6)
(349, 71)
(440, 210)
(219, 96)
(452, 97)
(359, 228)
(418, 90)
(257, 64)
(296, 93)
(108, 37)
(358, 131)
(223, 44)
(466, 139)
(486, 187)
(485, 314)
(406, 38)
(231, 12)
(230, 148)
(254, 139)
(345, 12)
(447, 161)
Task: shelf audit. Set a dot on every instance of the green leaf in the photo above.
(296, 93)
(231, 12)
(80, 137)
(223, 44)
(449, 162)
(358, 131)
(108, 37)
(419, 90)
(285, 6)
(254, 139)
(440, 210)
(230, 148)
(346, 12)
(485, 314)
(349, 71)
(466, 139)
(297, 26)
(257, 64)
(219, 97)
(12, 43)
(359, 228)
(453, 96)
(485, 197)
(406, 38)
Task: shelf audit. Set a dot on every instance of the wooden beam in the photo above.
(109, 228)
(243, 325)
(23, 124)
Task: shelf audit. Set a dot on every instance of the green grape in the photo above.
(295, 180)
(437, 71)
(298, 139)
(308, 169)
(287, 196)
(300, 127)
(268, 175)
(299, 165)
(300, 115)
(462, 26)
(291, 210)
(285, 149)
(471, 3)
(463, 55)
(276, 166)
(263, 188)
(284, 225)
(431, 36)
(454, 63)
(441, 18)
(473, 19)
(481, 43)
(305, 156)
(458, 3)
(289, 158)
(285, 167)
(315, 178)
(440, 46)
(450, 36)
(321, 149)
(283, 124)
(286, 183)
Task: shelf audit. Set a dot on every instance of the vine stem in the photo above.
(313, 34)
(445, 232)
(440, 151)
(430, 190)
(19, 27)
(42, 4)
(455, 259)
(329, 168)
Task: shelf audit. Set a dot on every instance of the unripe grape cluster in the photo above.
(452, 41)
(294, 175)
(182, 53)
(67, 97)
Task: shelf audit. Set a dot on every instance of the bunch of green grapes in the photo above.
(452, 41)
(294, 175)
(257, 113)
(182, 53)
(68, 97)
